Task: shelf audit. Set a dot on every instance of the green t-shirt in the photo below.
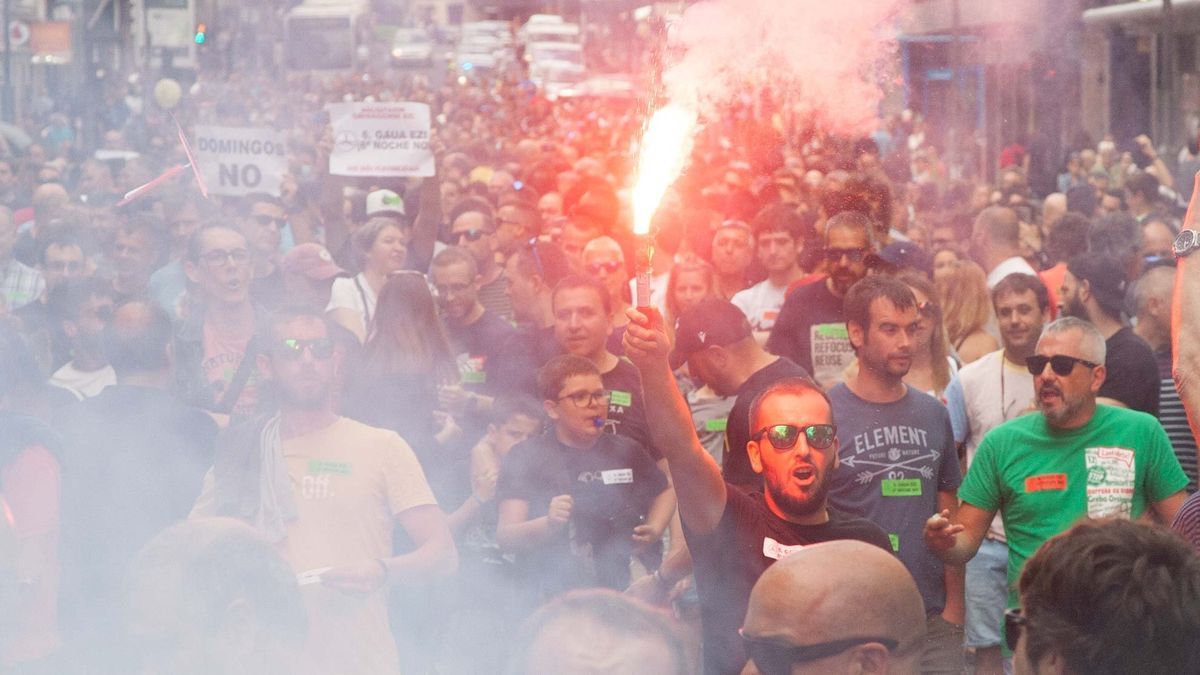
(1042, 481)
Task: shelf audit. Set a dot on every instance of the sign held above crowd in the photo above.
(380, 140)
(238, 161)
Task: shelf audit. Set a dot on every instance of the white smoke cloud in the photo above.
(831, 57)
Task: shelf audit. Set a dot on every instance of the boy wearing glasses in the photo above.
(733, 536)
(811, 329)
(1071, 460)
(897, 457)
(576, 503)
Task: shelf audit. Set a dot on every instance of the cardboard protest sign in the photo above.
(240, 161)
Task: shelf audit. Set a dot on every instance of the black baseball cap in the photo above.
(904, 255)
(711, 322)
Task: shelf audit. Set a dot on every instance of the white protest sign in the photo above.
(380, 139)
(240, 161)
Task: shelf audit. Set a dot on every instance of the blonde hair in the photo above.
(939, 348)
(966, 304)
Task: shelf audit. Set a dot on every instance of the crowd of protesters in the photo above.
(402, 417)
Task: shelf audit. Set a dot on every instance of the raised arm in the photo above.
(1185, 320)
(956, 541)
(699, 487)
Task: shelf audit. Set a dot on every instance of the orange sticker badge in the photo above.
(1045, 482)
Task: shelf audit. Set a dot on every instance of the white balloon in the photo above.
(167, 93)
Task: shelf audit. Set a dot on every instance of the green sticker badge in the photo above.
(902, 487)
(895, 539)
(716, 425)
(622, 398)
(317, 467)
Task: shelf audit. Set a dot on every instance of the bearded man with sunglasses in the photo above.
(733, 536)
(329, 491)
(897, 460)
(1073, 459)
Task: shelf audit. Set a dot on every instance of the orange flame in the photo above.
(664, 152)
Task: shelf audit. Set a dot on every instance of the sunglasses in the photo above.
(854, 255)
(784, 436)
(775, 658)
(1014, 622)
(292, 349)
(608, 267)
(267, 220)
(1061, 364)
(469, 235)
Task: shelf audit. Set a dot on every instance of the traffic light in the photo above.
(201, 34)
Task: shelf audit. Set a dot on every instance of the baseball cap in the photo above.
(1104, 277)
(711, 322)
(905, 255)
(383, 203)
(313, 261)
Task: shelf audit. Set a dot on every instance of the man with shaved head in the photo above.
(835, 607)
(996, 244)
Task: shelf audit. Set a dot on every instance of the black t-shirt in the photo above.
(612, 485)
(1132, 372)
(728, 561)
(515, 367)
(736, 463)
(627, 407)
(477, 347)
(809, 305)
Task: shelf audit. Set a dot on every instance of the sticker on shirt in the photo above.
(716, 426)
(617, 476)
(895, 541)
(767, 322)
(831, 352)
(317, 467)
(900, 487)
(1110, 482)
(620, 399)
(471, 369)
(777, 551)
(1047, 482)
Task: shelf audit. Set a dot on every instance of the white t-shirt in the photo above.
(993, 391)
(1014, 265)
(346, 295)
(760, 303)
(83, 384)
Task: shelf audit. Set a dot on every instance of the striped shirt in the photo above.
(1187, 521)
(1174, 419)
(494, 298)
(20, 284)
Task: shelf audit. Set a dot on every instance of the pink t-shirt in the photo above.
(223, 356)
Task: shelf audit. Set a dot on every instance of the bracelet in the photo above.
(384, 567)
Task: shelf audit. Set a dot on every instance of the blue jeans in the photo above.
(987, 594)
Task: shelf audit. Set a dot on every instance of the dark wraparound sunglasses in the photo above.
(776, 658)
(784, 436)
(1061, 364)
(293, 349)
(1014, 622)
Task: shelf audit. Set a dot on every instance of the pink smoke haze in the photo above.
(828, 58)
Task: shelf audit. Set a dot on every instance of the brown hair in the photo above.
(406, 334)
(939, 348)
(691, 265)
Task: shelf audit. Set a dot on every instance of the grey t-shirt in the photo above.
(893, 460)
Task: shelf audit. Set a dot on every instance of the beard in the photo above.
(810, 502)
(1060, 416)
(1074, 307)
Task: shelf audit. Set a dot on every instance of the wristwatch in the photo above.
(1186, 242)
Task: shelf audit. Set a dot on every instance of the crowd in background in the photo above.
(436, 403)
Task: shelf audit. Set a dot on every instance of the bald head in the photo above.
(998, 225)
(838, 590)
(137, 340)
(1054, 206)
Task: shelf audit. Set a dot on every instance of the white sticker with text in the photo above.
(617, 476)
(777, 551)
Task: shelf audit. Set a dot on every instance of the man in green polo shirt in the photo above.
(1044, 472)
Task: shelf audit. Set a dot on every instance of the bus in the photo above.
(325, 35)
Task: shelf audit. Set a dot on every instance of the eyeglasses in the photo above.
(854, 255)
(784, 436)
(587, 399)
(263, 219)
(1014, 622)
(608, 267)
(776, 658)
(469, 235)
(1061, 364)
(219, 258)
(292, 349)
